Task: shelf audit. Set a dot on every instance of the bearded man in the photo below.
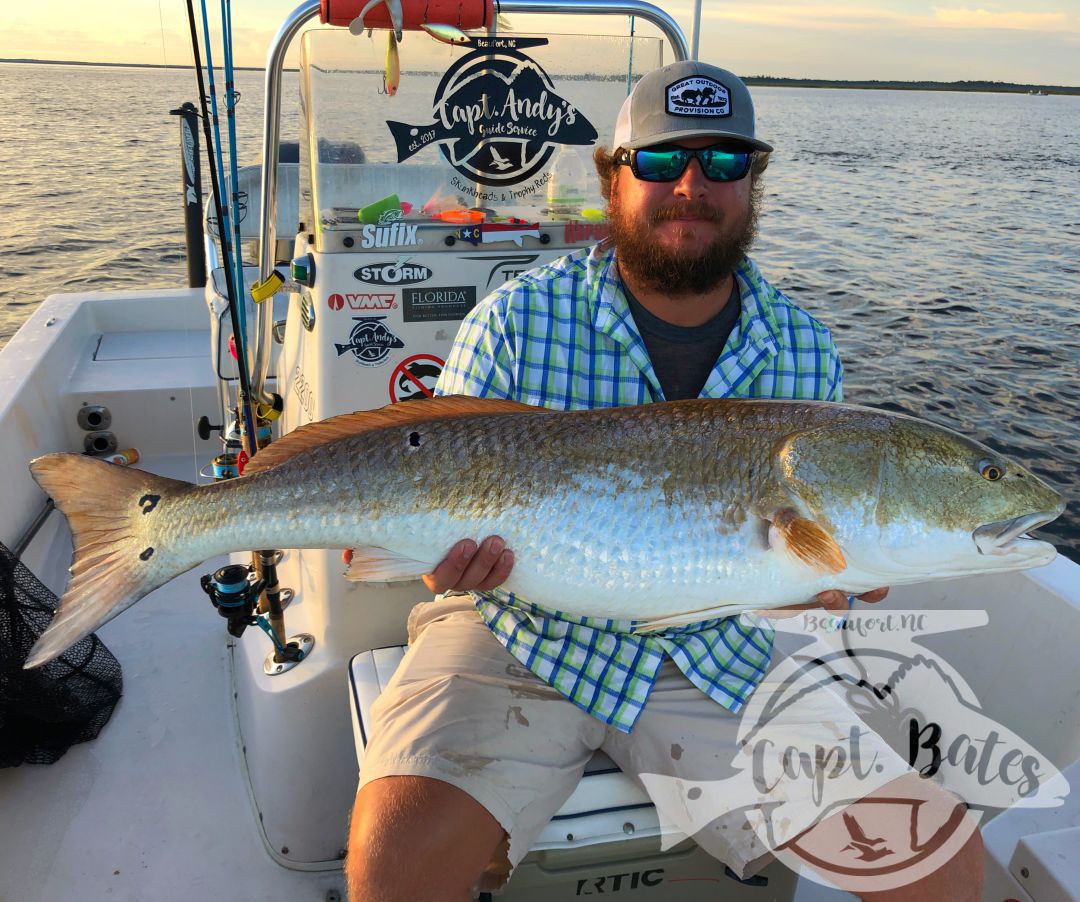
(488, 723)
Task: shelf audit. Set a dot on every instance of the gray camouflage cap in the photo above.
(690, 99)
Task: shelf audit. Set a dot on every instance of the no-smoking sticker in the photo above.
(415, 377)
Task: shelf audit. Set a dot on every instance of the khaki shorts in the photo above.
(461, 709)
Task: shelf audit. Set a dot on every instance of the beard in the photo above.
(677, 272)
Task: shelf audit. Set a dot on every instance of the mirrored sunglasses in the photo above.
(667, 163)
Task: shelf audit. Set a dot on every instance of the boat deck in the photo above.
(157, 807)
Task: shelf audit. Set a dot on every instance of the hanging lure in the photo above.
(356, 26)
(448, 34)
(392, 77)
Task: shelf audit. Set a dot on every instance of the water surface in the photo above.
(936, 233)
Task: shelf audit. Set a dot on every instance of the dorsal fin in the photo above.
(422, 410)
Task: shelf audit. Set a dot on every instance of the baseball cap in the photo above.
(689, 99)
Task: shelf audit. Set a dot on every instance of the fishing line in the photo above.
(161, 23)
(231, 96)
(223, 237)
(224, 226)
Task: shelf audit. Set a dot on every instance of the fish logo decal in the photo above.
(370, 341)
(497, 115)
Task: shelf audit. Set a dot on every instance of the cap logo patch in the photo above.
(698, 96)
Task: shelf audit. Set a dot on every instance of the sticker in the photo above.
(698, 96)
(370, 341)
(397, 234)
(506, 268)
(307, 311)
(400, 272)
(574, 232)
(382, 301)
(425, 305)
(492, 232)
(304, 394)
(415, 377)
(187, 136)
(496, 115)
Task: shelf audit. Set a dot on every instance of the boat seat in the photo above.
(607, 804)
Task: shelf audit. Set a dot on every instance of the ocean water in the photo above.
(937, 234)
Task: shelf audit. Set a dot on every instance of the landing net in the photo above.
(45, 711)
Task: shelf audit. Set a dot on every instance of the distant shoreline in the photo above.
(998, 87)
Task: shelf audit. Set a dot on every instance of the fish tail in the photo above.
(111, 511)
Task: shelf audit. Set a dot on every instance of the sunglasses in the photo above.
(665, 163)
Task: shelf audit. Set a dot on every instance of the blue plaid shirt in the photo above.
(562, 336)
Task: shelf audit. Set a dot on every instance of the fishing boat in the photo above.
(229, 767)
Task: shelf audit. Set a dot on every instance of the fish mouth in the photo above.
(1007, 536)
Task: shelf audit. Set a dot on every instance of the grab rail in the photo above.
(272, 130)
(32, 530)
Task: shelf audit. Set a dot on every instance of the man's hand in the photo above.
(468, 566)
(832, 600)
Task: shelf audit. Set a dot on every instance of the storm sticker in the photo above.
(398, 272)
(496, 115)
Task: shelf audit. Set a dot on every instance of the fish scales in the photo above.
(666, 513)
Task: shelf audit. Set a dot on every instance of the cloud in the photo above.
(1016, 20)
(843, 17)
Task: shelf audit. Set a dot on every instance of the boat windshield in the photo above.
(496, 128)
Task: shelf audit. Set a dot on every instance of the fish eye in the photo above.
(990, 471)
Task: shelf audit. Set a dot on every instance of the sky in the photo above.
(1026, 41)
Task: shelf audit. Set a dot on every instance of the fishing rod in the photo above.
(264, 560)
(217, 178)
(234, 174)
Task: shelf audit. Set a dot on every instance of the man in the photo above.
(489, 721)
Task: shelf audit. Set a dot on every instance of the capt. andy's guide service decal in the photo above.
(497, 115)
(370, 341)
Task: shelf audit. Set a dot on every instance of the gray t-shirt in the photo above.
(684, 356)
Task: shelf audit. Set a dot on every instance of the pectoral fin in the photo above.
(372, 564)
(804, 539)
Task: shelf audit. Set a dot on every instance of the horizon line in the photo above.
(1067, 89)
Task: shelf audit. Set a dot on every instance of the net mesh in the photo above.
(45, 711)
